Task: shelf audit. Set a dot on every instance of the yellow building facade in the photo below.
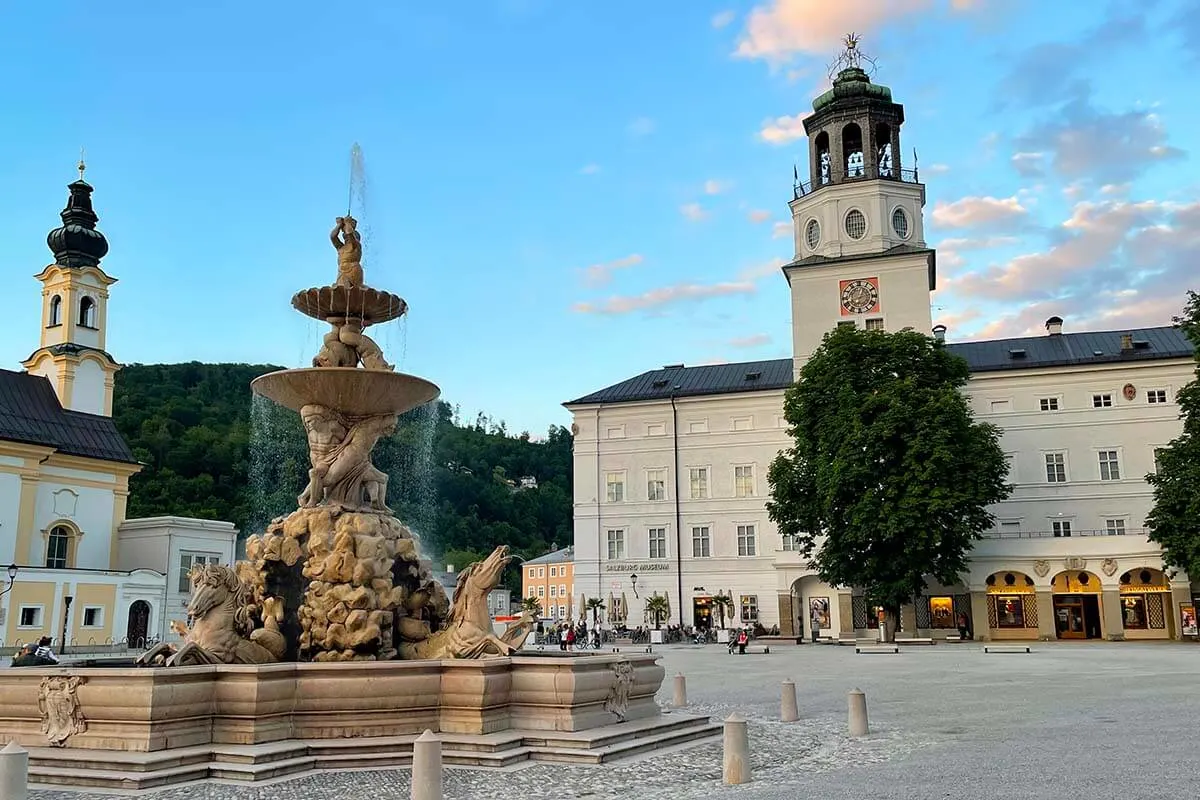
(550, 579)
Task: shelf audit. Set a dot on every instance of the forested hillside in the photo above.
(212, 452)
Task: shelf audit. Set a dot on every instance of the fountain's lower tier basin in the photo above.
(152, 727)
(352, 391)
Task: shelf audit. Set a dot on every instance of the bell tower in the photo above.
(75, 310)
(860, 253)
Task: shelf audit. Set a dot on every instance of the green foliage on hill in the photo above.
(213, 452)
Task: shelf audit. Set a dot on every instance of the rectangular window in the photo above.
(745, 539)
(1133, 612)
(190, 561)
(616, 545)
(562, 590)
(93, 616)
(1156, 396)
(541, 572)
(1010, 611)
(541, 592)
(1158, 454)
(1115, 526)
(532, 571)
(30, 617)
(656, 429)
(743, 423)
(1110, 469)
(1010, 528)
(1102, 400)
(791, 543)
(562, 612)
(941, 613)
(701, 542)
(743, 481)
(750, 608)
(1056, 468)
(1001, 406)
(698, 478)
(658, 542)
(1048, 404)
(698, 426)
(847, 324)
(553, 592)
(553, 572)
(1061, 528)
(615, 483)
(656, 484)
(875, 324)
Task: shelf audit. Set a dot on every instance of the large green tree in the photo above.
(1174, 521)
(890, 476)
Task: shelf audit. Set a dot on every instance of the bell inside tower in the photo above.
(823, 166)
(852, 151)
(883, 150)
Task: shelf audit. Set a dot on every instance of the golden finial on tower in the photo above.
(851, 57)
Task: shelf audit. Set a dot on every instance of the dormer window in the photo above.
(87, 312)
(55, 312)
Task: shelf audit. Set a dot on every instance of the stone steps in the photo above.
(132, 772)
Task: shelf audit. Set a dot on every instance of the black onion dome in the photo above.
(77, 243)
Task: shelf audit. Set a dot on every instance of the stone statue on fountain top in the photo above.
(348, 243)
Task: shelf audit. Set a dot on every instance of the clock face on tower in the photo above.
(860, 296)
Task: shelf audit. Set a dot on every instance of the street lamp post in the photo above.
(633, 581)
(12, 576)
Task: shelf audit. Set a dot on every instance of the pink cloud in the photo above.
(971, 211)
(668, 295)
(758, 215)
(601, 274)
(782, 130)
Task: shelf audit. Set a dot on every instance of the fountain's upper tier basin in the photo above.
(354, 392)
(372, 306)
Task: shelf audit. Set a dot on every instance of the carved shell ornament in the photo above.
(1108, 566)
(1041, 567)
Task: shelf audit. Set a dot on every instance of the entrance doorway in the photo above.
(702, 608)
(1077, 616)
(139, 624)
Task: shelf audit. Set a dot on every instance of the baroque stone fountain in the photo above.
(331, 646)
(340, 578)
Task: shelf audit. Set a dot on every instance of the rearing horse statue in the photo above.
(468, 632)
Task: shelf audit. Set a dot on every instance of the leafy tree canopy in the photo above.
(890, 476)
(213, 452)
(1174, 521)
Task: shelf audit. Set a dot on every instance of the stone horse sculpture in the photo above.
(468, 633)
(223, 628)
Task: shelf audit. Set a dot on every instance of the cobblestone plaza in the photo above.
(1103, 721)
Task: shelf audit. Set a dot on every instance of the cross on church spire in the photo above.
(82, 167)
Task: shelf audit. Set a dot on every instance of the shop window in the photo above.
(750, 608)
(1133, 612)
(941, 613)
(1010, 611)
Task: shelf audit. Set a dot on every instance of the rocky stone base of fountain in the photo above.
(352, 584)
(139, 728)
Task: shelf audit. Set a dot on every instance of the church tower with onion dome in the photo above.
(72, 351)
(860, 256)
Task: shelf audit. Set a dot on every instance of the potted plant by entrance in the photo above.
(658, 608)
(723, 604)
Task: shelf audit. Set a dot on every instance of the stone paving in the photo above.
(1095, 720)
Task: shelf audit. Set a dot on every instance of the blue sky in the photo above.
(570, 193)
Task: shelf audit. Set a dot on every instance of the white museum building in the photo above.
(80, 572)
(671, 465)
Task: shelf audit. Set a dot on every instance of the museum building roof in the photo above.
(992, 355)
(30, 413)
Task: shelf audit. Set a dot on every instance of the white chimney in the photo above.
(1054, 326)
(449, 569)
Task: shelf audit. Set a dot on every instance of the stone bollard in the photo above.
(680, 699)
(858, 713)
(427, 767)
(14, 772)
(736, 762)
(788, 712)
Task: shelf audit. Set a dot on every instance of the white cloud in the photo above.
(693, 212)
(642, 126)
(755, 340)
(758, 215)
(971, 211)
(723, 18)
(715, 187)
(936, 169)
(760, 271)
(601, 274)
(1029, 165)
(668, 295)
(781, 229)
(589, 169)
(782, 130)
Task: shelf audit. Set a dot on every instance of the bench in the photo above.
(954, 638)
(1007, 648)
(750, 650)
(914, 640)
(866, 649)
